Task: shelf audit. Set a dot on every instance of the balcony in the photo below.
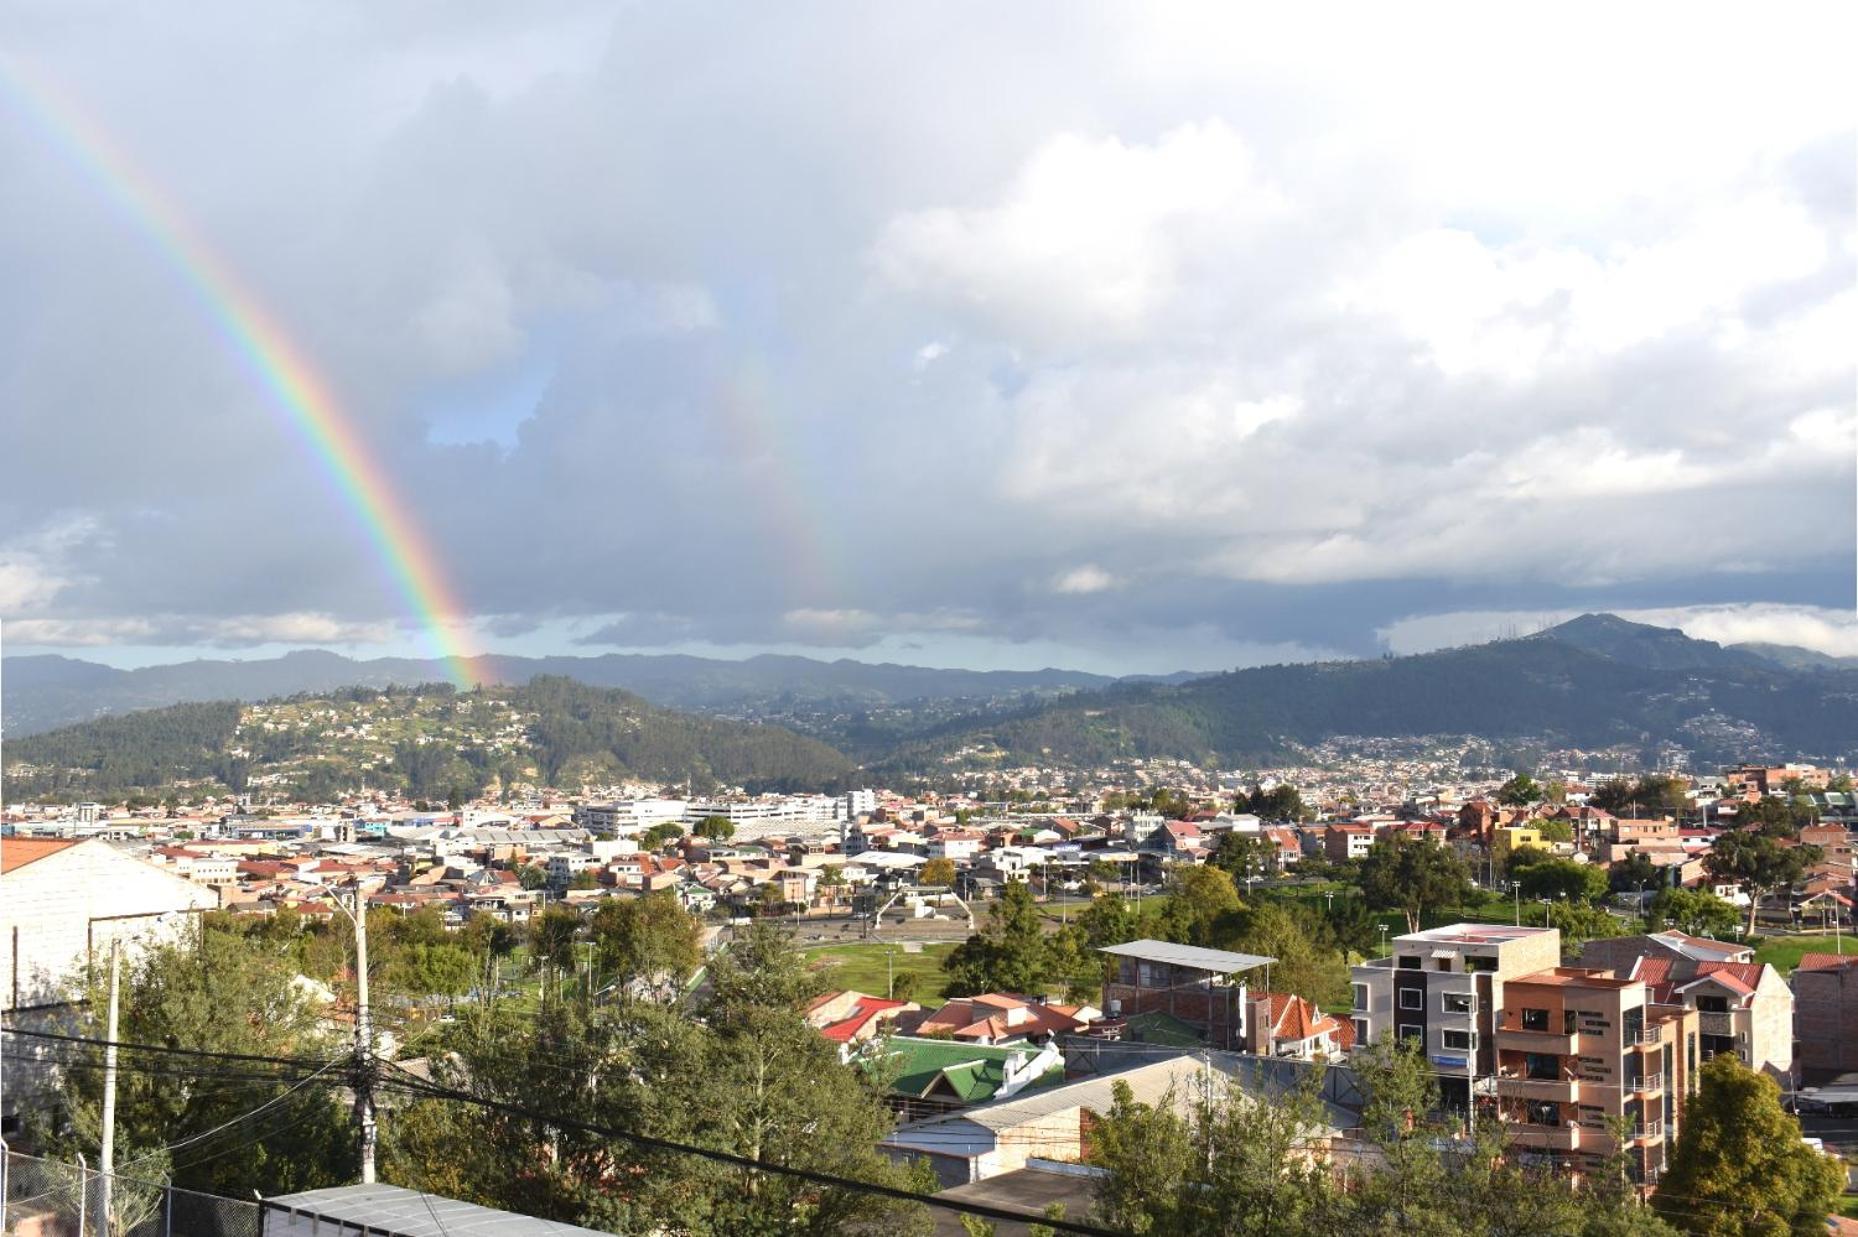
(1645, 1084)
(1544, 1137)
(1649, 1131)
(1645, 1037)
(1520, 1087)
(1549, 1043)
(1716, 1024)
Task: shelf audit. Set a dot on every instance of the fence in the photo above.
(50, 1198)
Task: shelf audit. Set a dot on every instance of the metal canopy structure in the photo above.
(1190, 957)
(404, 1213)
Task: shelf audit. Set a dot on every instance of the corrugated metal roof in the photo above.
(1220, 961)
(412, 1214)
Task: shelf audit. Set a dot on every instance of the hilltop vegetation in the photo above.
(430, 741)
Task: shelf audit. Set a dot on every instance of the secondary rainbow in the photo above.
(303, 398)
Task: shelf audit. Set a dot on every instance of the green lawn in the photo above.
(862, 967)
(1784, 951)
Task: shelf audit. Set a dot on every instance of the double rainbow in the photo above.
(300, 395)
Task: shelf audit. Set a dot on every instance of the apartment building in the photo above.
(1582, 1054)
(1443, 987)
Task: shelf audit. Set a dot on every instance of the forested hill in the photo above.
(429, 741)
(1596, 682)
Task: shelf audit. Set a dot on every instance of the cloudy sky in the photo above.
(1129, 337)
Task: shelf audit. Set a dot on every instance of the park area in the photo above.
(869, 966)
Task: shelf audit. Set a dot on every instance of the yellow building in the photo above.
(1506, 839)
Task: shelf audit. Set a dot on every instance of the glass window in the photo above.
(1412, 998)
(1542, 1066)
(1461, 1041)
(1361, 996)
(1535, 1020)
(1456, 1002)
(1409, 1031)
(1361, 1032)
(1410, 962)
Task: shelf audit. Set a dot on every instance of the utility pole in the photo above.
(106, 1158)
(364, 1041)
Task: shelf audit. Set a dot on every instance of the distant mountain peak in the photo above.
(1646, 646)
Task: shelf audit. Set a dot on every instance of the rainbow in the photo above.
(302, 397)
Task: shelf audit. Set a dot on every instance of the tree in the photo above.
(1412, 876)
(551, 943)
(1740, 1166)
(1542, 875)
(1245, 854)
(532, 876)
(219, 990)
(1635, 872)
(938, 872)
(1009, 954)
(1281, 802)
(1302, 966)
(1555, 830)
(1198, 899)
(1519, 791)
(647, 940)
(1108, 920)
(659, 834)
(715, 828)
(1695, 911)
(1656, 794)
(1758, 863)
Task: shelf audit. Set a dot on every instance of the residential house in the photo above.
(1344, 842)
(931, 1076)
(1825, 991)
(1282, 1024)
(852, 1017)
(1744, 1007)
(1002, 1018)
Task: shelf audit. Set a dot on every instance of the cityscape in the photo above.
(718, 620)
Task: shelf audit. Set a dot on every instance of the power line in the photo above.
(160, 1048)
(830, 1180)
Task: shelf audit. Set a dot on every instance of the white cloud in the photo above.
(1095, 235)
(235, 631)
(1088, 578)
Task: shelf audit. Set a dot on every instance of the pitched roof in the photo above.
(974, 1072)
(1825, 962)
(18, 852)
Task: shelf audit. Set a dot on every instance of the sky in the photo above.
(1131, 338)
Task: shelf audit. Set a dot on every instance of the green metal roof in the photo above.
(972, 1072)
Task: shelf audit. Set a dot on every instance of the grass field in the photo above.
(862, 967)
(1783, 952)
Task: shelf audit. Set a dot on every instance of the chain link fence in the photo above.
(52, 1198)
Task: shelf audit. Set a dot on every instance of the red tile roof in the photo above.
(18, 852)
(1826, 962)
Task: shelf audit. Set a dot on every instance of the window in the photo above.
(1542, 1066)
(1456, 1002)
(1458, 1041)
(1535, 1020)
(1410, 962)
(1409, 1031)
(1712, 1005)
(1362, 1038)
(1361, 996)
(1412, 998)
(1441, 964)
(1474, 965)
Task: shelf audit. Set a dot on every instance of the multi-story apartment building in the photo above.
(1585, 1056)
(1443, 987)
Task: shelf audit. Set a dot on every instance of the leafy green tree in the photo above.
(649, 940)
(1108, 920)
(1543, 875)
(1519, 791)
(1009, 954)
(658, 835)
(532, 876)
(489, 936)
(1302, 965)
(715, 828)
(1758, 863)
(1578, 923)
(1245, 854)
(1555, 830)
(1199, 900)
(1695, 911)
(552, 936)
(1281, 802)
(1635, 872)
(218, 990)
(1740, 1167)
(1414, 877)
